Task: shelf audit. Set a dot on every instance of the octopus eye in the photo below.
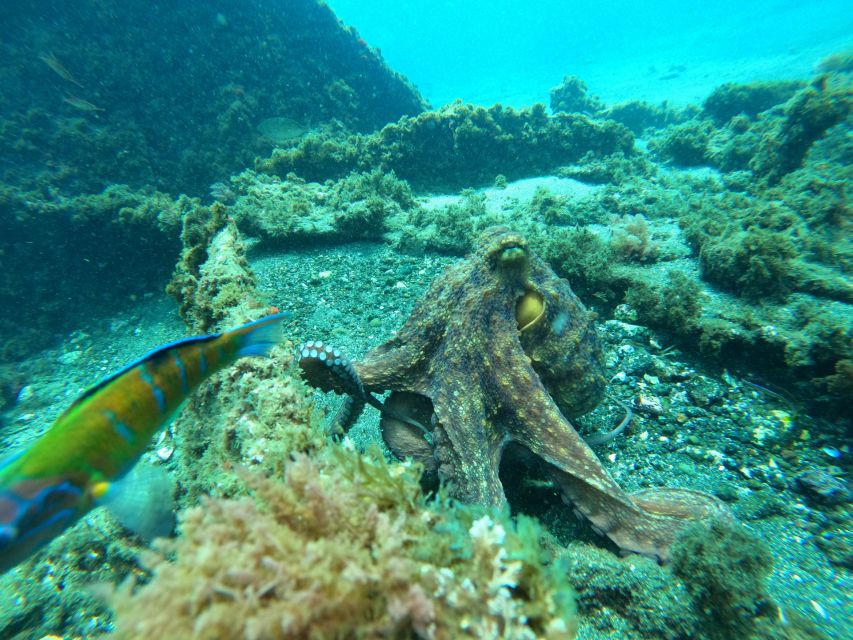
(529, 309)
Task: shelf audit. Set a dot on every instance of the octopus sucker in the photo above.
(501, 351)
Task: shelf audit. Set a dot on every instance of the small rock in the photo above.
(838, 548)
(625, 313)
(649, 404)
(164, 453)
(70, 357)
(820, 487)
(652, 380)
(26, 394)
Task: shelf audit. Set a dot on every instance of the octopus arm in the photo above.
(467, 447)
(646, 522)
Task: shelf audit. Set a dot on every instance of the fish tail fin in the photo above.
(258, 337)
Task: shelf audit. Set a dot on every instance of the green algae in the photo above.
(730, 99)
(183, 130)
(571, 96)
(356, 536)
(458, 146)
(725, 571)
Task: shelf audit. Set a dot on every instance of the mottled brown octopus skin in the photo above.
(491, 384)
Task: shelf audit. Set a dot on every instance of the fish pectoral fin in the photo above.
(142, 500)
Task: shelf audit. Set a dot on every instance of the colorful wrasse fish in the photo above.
(97, 441)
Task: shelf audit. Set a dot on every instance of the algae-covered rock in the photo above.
(460, 145)
(725, 571)
(684, 144)
(452, 228)
(730, 99)
(213, 283)
(62, 255)
(754, 262)
(807, 117)
(570, 96)
(122, 120)
(256, 414)
(356, 207)
(639, 116)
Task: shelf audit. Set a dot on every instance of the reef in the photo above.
(571, 96)
(87, 103)
(717, 258)
(459, 145)
(213, 284)
(52, 243)
(360, 206)
(767, 128)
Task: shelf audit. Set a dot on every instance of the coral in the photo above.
(724, 569)
(571, 97)
(346, 545)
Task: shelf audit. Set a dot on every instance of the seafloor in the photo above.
(713, 241)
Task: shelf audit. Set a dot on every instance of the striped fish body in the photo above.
(99, 438)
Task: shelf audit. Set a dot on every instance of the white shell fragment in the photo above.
(164, 453)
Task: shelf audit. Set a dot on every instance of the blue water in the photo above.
(512, 52)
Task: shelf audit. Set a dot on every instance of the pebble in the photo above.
(821, 487)
(649, 404)
(26, 393)
(164, 453)
(70, 357)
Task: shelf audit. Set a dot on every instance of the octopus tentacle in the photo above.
(646, 522)
(468, 461)
(601, 438)
(327, 369)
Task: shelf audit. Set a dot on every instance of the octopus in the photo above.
(500, 352)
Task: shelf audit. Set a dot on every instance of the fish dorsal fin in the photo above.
(152, 355)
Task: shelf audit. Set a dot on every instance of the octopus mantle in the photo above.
(501, 351)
